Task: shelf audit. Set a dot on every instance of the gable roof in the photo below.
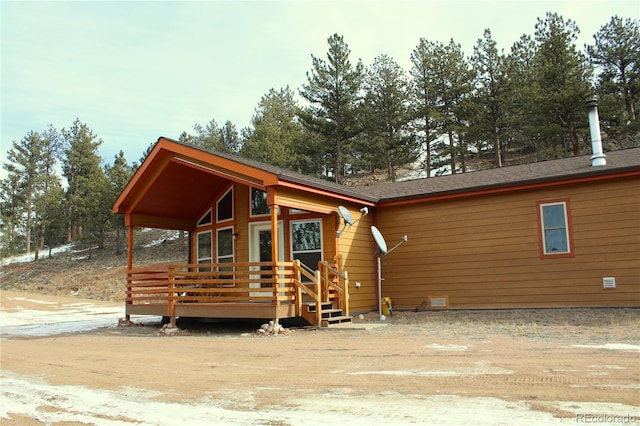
(523, 175)
(543, 173)
(176, 181)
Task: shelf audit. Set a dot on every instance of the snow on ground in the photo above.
(34, 398)
(612, 347)
(23, 258)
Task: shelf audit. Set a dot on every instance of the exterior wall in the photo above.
(484, 251)
(357, 257)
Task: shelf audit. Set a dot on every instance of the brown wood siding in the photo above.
(483, 252)
(357, 257)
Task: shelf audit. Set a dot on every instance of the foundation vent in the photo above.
(608, 282)
(438, 302)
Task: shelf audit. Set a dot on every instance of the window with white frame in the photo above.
(205, 219)
(306, 241)
(224, 253)
(225, 245)
(224, 206)
(204, 247)
(555, 228)
(258, 201)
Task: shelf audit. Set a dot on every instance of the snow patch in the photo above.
(29, 257)
(612, 347)
(447, 348)
(34, 398)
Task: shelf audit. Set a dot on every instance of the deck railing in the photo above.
(275, 283)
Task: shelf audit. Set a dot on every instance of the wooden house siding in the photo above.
(484, 252)
(357, 256)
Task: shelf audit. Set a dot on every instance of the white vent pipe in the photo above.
(598, 158)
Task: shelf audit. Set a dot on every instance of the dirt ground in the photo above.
(482, 367)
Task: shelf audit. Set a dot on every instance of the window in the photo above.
(306, 242)
(204, 248)
(205, 219)
(555, 228)
(225, 245)
(225, 250)
(259, 205)
(224, 206)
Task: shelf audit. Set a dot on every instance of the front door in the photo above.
(260, 249)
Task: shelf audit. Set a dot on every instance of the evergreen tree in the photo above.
(275, 132)
(12, 235)
(334, 94)
(490, 98)
(616, 53)
(452, 83)
(81, 168)
(523, 99)
(215, 138)
(117, 177)
(31, 176)
(388, 115)
(563, 74)
(427, 123)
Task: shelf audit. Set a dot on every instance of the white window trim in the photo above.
(251, 189)
(233, 248)
(307, 251)
(198, 258)
(232, 206)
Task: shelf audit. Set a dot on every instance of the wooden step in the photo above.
(329, 315)
(328, 322)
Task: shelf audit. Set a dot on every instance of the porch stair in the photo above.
(330, 315)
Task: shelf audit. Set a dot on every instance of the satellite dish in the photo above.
(346, 215)
(348, 219)
(379, 239)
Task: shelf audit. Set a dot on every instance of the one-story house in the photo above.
(270, 243)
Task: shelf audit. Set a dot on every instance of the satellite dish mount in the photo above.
(348, 219)
(382, 250)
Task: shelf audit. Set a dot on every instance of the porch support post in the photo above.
(274, 251)
(129, 261)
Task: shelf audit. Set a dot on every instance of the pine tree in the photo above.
(563, 74)
(616, 53)
(81, 168)
(427, 123)
(275, 132)
(117, 176)
(388, 115)
(31, 176)
(334, 94)
(490, 98)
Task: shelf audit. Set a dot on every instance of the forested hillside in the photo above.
(452, 112)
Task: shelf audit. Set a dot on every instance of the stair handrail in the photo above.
(343, 290)
(299, 270)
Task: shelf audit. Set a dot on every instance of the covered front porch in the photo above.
(263, 241)
(270, 290)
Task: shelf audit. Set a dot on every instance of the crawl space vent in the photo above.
(609, 282)
(438, 302)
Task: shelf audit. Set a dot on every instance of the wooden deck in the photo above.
(270, 290)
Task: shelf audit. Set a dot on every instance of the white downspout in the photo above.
(598, 158)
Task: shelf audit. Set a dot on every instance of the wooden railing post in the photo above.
(345, 301)
(297, 278)
(171, 293)
(318, 300)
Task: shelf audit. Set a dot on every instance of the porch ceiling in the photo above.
(179, 192)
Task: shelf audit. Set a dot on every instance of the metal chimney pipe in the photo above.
(598, 158)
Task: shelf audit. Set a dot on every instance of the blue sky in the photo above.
(134, 71)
